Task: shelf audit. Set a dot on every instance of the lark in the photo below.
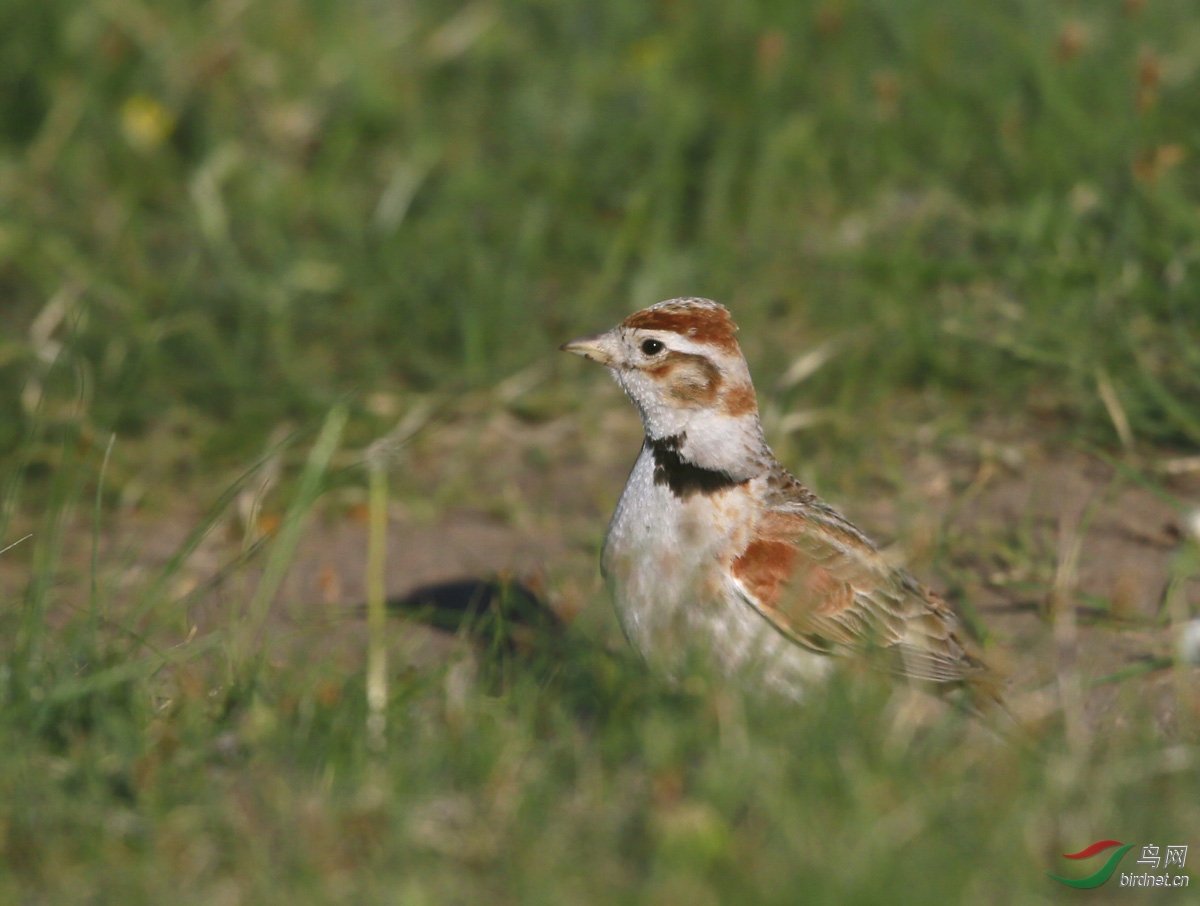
(717, 556)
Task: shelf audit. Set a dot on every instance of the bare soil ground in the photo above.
(1065, 562)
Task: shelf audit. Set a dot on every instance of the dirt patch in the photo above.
(1027, 537)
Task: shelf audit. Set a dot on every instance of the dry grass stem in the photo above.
(376, 607)
(1066, 636)
(1116, 411)
(387, 449)
(5, 550)
(811, 362)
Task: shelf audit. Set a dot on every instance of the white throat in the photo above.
(708, 437)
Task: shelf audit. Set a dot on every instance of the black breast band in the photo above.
(682, 477)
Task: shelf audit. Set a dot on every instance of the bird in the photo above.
(717, 558)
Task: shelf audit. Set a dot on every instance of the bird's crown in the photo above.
(701, 320)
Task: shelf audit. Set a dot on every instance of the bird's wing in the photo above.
(822, 583)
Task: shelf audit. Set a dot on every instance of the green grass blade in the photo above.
(284, 548)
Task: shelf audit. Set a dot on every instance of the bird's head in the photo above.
(680, 363)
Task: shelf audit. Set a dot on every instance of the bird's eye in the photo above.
(652, 347)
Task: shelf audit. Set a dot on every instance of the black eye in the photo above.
(652, 347)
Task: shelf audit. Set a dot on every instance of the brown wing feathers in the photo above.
(820, 582)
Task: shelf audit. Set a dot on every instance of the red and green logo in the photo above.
(1105, 872)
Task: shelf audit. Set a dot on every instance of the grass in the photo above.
(240, 211)
(220, 223)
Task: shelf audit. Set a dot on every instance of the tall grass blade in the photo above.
(284, 549)
(377, 607)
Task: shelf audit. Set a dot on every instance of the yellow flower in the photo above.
(145, 122)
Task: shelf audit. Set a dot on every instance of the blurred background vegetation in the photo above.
(239, 211)
(222, 217)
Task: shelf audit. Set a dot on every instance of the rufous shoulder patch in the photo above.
(774, 561)
(764, 567)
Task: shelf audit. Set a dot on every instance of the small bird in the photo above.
(715, 552)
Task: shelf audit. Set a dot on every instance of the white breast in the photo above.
(665, 560)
